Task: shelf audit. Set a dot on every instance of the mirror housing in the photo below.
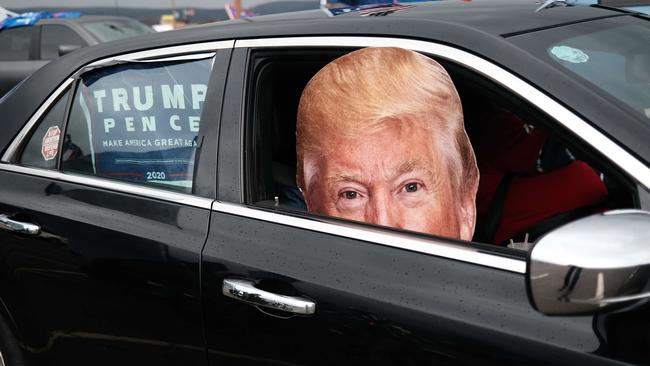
(64, 49)
(594, 264)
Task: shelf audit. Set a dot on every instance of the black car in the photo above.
(25, 49)
(146, 220)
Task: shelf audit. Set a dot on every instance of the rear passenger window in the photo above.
(138, 122)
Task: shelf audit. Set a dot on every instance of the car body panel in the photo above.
(116, 290)
(375, 305)
(96, 278)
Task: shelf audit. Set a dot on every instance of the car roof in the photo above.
(489, 17)
(498, 17)
(479, 26)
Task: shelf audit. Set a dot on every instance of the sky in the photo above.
(122, 3)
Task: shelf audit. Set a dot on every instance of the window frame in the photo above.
(211, 56)
(9, 160)
(474, 253)
(64, 125)
(254, 176)
(488, 69)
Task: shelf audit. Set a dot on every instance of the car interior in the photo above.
(534, 175)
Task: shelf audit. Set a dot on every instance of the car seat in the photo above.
(530, 183)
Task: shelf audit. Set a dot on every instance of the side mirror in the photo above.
(64, 49)
(594, 264)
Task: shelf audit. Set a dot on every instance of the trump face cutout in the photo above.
(381, 139)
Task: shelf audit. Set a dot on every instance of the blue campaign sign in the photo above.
(24, 19)
(144, 119)
(27, 19)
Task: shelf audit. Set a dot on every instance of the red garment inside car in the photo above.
(506, 145)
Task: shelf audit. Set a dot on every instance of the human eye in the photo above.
(350, 199)
(411, 187)
(349, 195)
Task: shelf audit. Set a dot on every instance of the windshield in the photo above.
(612, 54)
(114, 29)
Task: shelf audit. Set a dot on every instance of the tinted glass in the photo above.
(610, 54)
(112, 30)
(138, 122)
(15, 43)
(54, 35)
(43, 147)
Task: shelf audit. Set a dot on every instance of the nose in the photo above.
(381, 211)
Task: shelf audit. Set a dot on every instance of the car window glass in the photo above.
(611, 54)
(138, 122)
(436, 149)
(43, 147)
(55, 35)
(15, 43)
(622, 48)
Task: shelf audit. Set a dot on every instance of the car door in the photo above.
(104, 209)
(355, 294)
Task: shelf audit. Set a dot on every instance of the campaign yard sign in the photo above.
(144, 119)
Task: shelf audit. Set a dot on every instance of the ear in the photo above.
(308, 184)
(307, 197)
(467, 216)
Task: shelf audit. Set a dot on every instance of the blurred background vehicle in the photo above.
(31, 40)
(642, 6)
(25, 49)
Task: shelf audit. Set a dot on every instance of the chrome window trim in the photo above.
(174, 53)
(632, 166)
(17, 141)
(187, 57)
(380, 236)
(165, 51)
(113, 185)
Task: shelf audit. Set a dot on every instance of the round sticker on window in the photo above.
(50, 146)
(570, 54)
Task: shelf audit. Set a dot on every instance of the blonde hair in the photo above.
(363, 91)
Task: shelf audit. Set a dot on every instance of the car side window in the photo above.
(55, 35)
(365, 135)
(138, 122)
(15, 43)
(42, 149)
